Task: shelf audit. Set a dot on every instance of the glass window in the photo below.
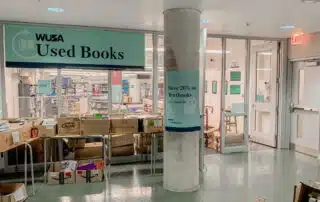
(31, 92)
(263, 76)
(161, 85)
(137, 85)
(84, 92)
(212, 102)
(34, 92)
(235, 77)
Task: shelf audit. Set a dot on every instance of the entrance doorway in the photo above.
(241, 94)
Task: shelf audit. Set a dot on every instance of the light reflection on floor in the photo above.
(239, 177)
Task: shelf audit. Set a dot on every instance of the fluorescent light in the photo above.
(217, 51)
(310, 1)
(207, 51)
(204, 21)
(287, 27)
(265, 53)
(56, 10)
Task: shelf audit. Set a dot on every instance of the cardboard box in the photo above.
(143, 144)
(23, 130)
(94, 151)
(47, 131)
(122, 140)
(94, 127)
(90, 176)
(127, 150)
(13, 193)
(6, 140)
(68, 126)
(57, 174)
(90, 150)
(76, 143)
(125, 125)
(153, 125)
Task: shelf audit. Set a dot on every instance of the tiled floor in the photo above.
(238, 177)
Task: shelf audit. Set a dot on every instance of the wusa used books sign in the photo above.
(38, 46)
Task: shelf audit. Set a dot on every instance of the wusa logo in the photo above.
(24, 45)
(49, 37)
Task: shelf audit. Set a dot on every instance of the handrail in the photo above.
(294, 107)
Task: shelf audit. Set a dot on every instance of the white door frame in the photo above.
(270, 107)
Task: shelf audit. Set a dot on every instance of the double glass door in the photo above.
(241, 93)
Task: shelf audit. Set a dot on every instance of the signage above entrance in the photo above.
(29, 46)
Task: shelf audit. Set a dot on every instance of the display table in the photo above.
(102, 137)
(152, 157)
(27, 146)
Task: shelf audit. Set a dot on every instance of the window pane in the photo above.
(235, 98)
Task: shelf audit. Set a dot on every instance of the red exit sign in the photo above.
(299, 38)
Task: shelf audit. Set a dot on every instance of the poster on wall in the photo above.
(235, 89)
(214, 87)
(44, 87)
(44, 47)
(235, 76)
(182, 101)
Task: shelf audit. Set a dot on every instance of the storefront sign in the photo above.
(37, 46)
(182, 101)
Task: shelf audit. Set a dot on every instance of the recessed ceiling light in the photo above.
(287, 27)
(204, 21)
(310, 1)
(56, 10)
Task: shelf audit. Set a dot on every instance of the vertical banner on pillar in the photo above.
(182, 101)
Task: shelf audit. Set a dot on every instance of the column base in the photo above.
(166, 187)
(181, 162)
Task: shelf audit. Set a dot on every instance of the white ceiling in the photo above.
(264, 17)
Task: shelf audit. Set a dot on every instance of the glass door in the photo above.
(263, 110)
(234, 97)
(305, 108)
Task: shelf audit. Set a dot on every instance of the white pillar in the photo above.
(181, 139)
